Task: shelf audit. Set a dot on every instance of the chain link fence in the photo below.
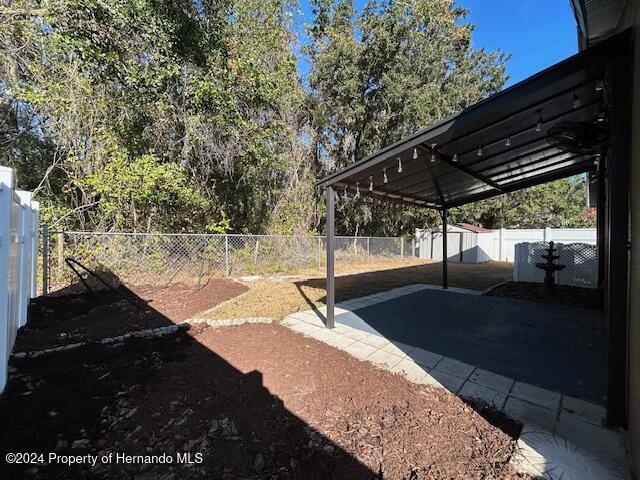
(158, 259)
(580, 260)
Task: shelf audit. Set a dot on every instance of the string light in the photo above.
(600, 116)
(507, 142)
(384, 175)
(539, 124)
(576, 101)
(433, 152)
(357, 189)
(371, 183)
(399, 165)
(415, 153)
(345, 195)
(455, 157)
(480, 152)
(599, 86)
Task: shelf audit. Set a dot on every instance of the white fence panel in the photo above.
(498, 244)
(18, 262)
(580, 259)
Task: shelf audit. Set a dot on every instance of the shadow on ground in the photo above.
(160, 397)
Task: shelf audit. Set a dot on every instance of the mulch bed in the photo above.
(564, 294)
(60, 320)
(255, 401)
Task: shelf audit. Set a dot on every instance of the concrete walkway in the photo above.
(562, 435)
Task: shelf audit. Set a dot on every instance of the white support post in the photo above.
(547, 234)
(501, 251)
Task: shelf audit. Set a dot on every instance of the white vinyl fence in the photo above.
(18, 262)
(470, 247)
(580, 261)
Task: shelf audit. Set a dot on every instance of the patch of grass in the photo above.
(277, 298)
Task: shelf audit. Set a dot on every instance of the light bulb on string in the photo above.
(357, 189)
(507, 142)
(600, 117)
(539, 123)
(399, 165)
(371, 183)
(384, 175)
(455, 157)
(599, 86)
(576, 101)
(415, 153)
(480, 152)
(345, 195)
(433, 152)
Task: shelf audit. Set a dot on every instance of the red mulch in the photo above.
(59, 320)
(255, 401)
(563, 295)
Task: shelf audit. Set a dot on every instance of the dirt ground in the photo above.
(276, 298)
(564, 294)
(60, 320)
(254, 401)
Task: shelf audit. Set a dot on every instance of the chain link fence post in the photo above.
(60, 249)
(227, 272)
(45, 259)
(402, 247)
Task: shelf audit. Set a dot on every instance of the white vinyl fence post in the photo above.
(24, 287)
(35, 230)
(6, 340)
(45, 259)
(501, 251)
(402, 247)
(547, 234)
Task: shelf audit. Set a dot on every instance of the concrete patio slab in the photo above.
(454, 367)
(491, 380)
(360, 350)
(444, 380)
(424, 357)
(544, 455)
(594, 414)
(530, 414)
(476, 392)
(410, 370)
(384, 359)
(536, 395)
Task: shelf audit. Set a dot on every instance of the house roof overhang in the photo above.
(531, 159)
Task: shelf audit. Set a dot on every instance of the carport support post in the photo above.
(445, 273)
(331, 285)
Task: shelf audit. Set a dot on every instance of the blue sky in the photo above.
(537, 33)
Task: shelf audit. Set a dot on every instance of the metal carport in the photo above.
(571, 118)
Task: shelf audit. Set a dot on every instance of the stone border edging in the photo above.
(119, 339)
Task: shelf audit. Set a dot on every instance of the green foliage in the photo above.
(559, 204)
(174, 115)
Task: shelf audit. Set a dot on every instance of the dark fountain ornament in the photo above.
(550, 269)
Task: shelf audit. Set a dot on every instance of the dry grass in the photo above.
(277, 298)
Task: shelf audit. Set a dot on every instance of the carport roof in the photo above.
(496, 146)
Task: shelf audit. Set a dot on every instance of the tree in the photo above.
(380, 75)
(560, 204)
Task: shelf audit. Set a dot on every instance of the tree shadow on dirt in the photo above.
(168, 398)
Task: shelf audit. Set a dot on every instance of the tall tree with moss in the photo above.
(381, 74)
